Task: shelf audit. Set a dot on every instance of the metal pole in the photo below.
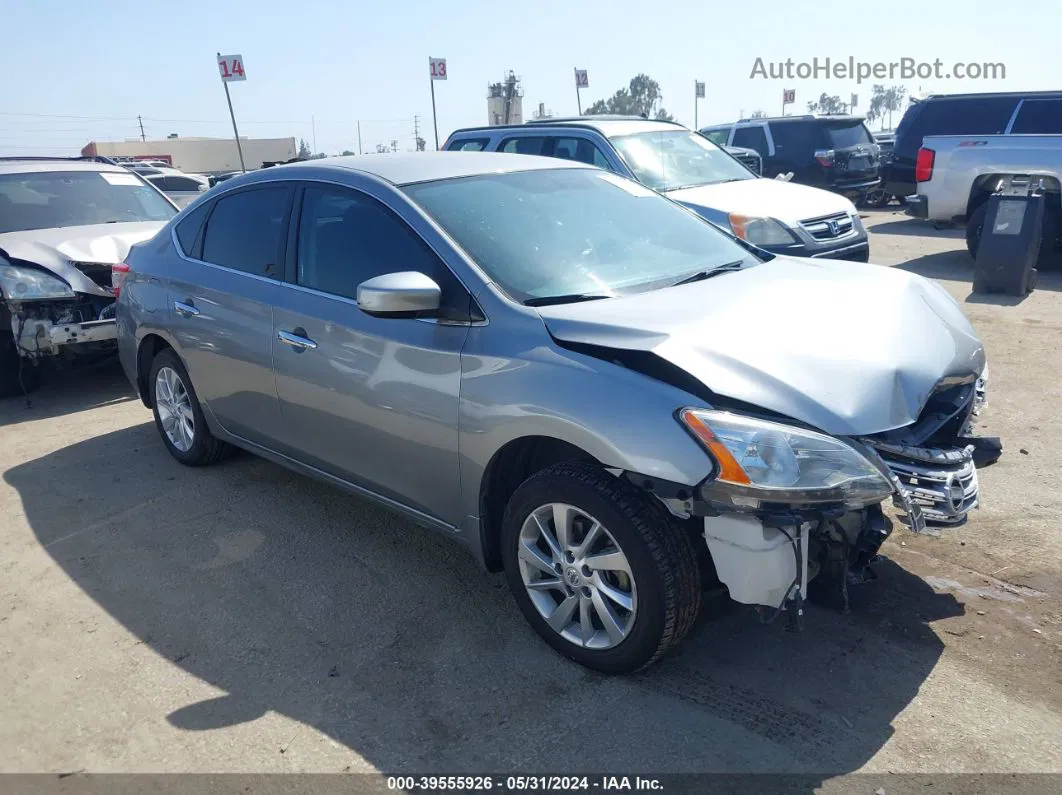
(434, 120)
(359, 136)
(313, 133)
(235, 132)
(142, 136)
(578, 99)
(696, 104)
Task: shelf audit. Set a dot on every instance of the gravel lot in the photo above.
(243, 618)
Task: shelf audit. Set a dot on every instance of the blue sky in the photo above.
(74, 72)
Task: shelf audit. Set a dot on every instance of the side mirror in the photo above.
(398, 294)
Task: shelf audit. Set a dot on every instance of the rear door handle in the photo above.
(184, 309)
(296, 341)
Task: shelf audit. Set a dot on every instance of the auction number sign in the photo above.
(438, 68)
(789, 96)
(231, 68)
(581, 79)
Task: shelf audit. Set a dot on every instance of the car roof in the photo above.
(20, 166)
(983, 95)
(409, 168)
(606, 125)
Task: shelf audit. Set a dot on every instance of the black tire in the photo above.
(1049, 253)
(13, 368)
(876, 198)
(661, 555)
(205, 449)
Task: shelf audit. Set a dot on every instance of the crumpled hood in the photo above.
(848, 348)
(786, 201)
(55, 249)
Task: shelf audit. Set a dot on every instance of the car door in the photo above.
(222, 308)
(371, 400)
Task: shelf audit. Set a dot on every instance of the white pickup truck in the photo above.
(957, 173)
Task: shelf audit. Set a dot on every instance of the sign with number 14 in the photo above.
(231, 68)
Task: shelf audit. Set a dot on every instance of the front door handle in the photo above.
(296, 339)
(185, 309)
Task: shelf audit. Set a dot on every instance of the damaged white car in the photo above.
(593, 388)
(63, 224)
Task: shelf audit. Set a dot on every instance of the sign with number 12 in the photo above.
(231, 68)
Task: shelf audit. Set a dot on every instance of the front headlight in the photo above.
(779, 463)
(761, 231)
(30, 284)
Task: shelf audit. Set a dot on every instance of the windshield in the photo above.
(571, 232)
(842, 136)
(53, 199)
(673, 159)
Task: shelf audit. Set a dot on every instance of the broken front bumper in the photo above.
(39, 337)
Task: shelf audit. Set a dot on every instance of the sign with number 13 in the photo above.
(438, 68)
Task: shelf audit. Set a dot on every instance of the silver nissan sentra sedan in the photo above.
(594, 389)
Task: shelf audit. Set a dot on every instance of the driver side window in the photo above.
(346, 238)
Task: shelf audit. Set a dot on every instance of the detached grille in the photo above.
(829, 227)
(943, 483)
(98, 272)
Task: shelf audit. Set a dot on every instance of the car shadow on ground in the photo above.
(69, 390)
(296, 598)
(915, 227)
(958, 266)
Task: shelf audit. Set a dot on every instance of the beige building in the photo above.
(200, 155)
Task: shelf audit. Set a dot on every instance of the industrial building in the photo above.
(200, 155)
(505, 101)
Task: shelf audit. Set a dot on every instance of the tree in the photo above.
(884, 101)
(421, 143)
(827, 104)
(304, 150)
(758, 114)
(641, 98)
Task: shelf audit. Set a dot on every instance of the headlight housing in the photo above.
(30, 284)
(766, 461)
(761, 231)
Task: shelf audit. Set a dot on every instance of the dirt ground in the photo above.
(245, 619)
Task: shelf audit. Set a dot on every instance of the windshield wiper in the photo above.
(736, 265)
(573, 298)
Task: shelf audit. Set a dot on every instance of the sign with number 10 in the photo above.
(231, 68)
(438, 68)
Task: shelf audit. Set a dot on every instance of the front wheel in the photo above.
(599, 569)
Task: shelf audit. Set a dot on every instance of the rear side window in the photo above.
(751, 138)
(175, 183)
(531, 145)
(244, 231)
(717, 137)
(973, 116)
(579, 149)
(796, 139)
(843, 136)
(188, 229)
(469, 145)
(1039, 117)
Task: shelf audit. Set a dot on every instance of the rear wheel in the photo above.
(598, 568)
(17, 375)
(178, 415)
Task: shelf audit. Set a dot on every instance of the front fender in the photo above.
(622, 418)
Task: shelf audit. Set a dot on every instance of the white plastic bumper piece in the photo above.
(46, 338)
(756, 563)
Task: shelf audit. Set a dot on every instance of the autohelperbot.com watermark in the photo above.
(851, 69)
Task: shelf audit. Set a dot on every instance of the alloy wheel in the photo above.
(175, 409)
(577, 576)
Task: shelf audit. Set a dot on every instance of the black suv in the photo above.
(1034, 113)
(837, 153)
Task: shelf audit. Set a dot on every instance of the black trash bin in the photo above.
(1010, 240)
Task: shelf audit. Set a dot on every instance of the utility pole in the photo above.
(313, 133)
(359, 136)
(416, 131)
(394, 145)
(142, 136)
